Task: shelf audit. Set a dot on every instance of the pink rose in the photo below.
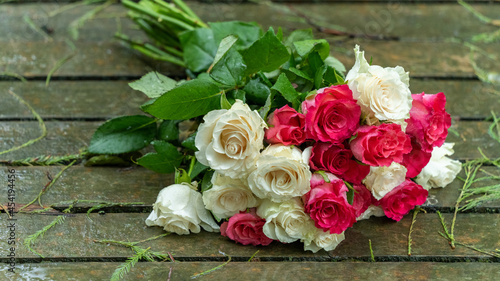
(429, 121)
(332, 115)
(286, 127)
(327, 205)
(338, 160)
(416, 160)
(380, 145)
(362, 199)
(246, 228)
(402, 199)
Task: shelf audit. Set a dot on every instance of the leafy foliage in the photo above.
(190, 99)
(225, 61)
(165, 160)
(123, 134)
(153, 84)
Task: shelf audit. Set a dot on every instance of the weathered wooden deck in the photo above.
(428, 38)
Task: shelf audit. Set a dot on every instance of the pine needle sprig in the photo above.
(45, 160)
(125, 267)
(30, 240)
(139, 254)
(414, 219)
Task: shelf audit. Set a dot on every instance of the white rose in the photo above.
(228, 196)
(286, 221)
(441, 170)
(381, 180)
(179, 209)
(382, 93)
(371, 211)
(229, 141)
(323, 240)
(280, 174)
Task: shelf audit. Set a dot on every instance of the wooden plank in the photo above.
(403, 20)
(112, 184)
(106, 99)
(68, 137)
(446, 198)
(71, 99)
(120, 185)
(74, 238)
(421, 271)
(111, 59)
(63, 138)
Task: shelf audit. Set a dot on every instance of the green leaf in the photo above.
(300, 73)
(336, 64)
(168, 130)
(224, 103)
(257, 91)
(285, 88)
(304, 48)
(327, 76)
(299, 35)
(230, 69)
(206, 183)
(153, 84)
(107, 160)
(237, 94)
(165, 160)
(224, 47)
(199, 48)
(279, 34)
(266, 54)
(246, 32)
(315, 63)
(197, 169)
(191, 99)
(350, 196)
(123, 134)
(264, 111)
(189, 142)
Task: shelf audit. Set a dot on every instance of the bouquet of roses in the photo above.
(278, 144)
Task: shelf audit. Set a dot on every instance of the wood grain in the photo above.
(74, 239)
(307, 271)
(106, 99)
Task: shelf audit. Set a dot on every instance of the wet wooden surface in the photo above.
(434, 41)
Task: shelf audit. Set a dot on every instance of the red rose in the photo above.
(286, 127)
(332, 115)
(327, 205)
(416, 160)
(338, 160)
(362, 199)
(246, 228)
(380, 145)
(402, 199)
(429, 121)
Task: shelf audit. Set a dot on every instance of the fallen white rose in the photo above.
(441, 170)
(179, 209)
